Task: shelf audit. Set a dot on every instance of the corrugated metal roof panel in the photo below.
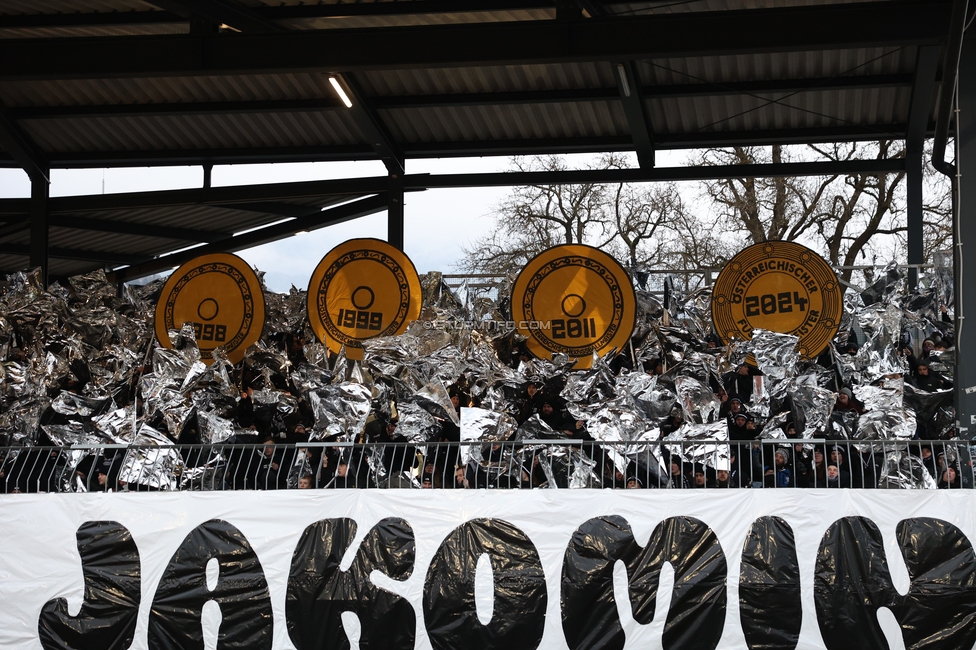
(675, 117)
(160, 90)
(188, 132)
(690, 6)
(409, 20)
(480, 79)
(153, 29)
(32, 7)
(523, 121)
(796, 65)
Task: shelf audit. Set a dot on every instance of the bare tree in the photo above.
(936, 212)
(839, 215)
(536, 217)
(845, 217)
(641, 214)
(764, 207)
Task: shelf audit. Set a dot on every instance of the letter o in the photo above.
(520, 595)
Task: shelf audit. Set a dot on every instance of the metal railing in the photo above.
(526, 464)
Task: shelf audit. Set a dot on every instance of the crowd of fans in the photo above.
(273, 452)
(271, 449)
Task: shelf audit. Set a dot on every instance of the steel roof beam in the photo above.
(838, 26)
(339, 214)
(76, 222)
(86, 255)
(71, 160)
(923, 94)
(62, 208)
(23, 149)
(372, 127)
(88, 19)
(221, 12)
(229, 156)
(639, 122)
(231, 197)
(277, 208)
(180, 12)
(506, 179)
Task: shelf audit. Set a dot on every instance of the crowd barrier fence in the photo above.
(679, 464)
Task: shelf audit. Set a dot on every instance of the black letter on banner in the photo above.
(852, 581)
(319, 592)
(107, 619)
(769, 587)
(698, 601)
(241, 593)
(520, 596)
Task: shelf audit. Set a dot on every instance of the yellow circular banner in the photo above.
(362, 288)
(574, 299)
(781, 287)
(221, 296)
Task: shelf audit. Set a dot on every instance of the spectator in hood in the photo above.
(736, 405)
(949, 479)
(836, 478)
(737, 427)
(929, 460)
(268, 472)
(803, 460)
(679, 479)
(927, 379)
(528, 402)
(551, 414)
(838, 457)
(818, 473)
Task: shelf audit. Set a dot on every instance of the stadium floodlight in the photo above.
(339, 91)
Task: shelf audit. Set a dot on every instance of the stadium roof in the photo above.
(102, 83)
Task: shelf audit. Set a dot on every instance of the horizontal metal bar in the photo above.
(693, 34)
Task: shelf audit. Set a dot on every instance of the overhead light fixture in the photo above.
(301, 232)
(339, 91)
(624, 85)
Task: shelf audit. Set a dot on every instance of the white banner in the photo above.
(544, 568)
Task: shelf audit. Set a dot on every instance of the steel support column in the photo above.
(40, 191)
(913, 189)
(394, 215)
(965, 241)
(923, 90)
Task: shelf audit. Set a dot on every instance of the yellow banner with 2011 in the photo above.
(576, 300)
(781, 287)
